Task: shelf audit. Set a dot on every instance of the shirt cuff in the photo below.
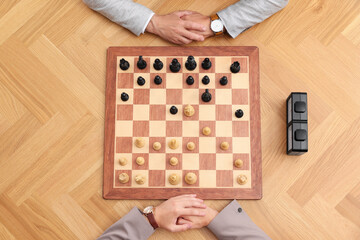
(147, 22)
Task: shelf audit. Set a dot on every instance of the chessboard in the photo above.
(182, 120)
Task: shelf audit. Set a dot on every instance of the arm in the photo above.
(126, 13)
(246, 13)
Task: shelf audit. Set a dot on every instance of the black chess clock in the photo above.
(297, 123)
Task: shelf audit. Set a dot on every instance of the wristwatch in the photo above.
(216, 25)
(149, 213)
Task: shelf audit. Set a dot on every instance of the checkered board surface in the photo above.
(146, 114)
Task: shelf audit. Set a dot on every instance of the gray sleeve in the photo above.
(233, 223)
(246, 13)
(133, 16)
(132, 226)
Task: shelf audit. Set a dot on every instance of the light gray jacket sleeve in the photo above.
(233, 223)
(246, 13)
(133, 16)
(132, 226)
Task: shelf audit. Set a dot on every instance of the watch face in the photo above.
(216, 26)
(148, 209)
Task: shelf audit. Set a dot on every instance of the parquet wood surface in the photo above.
(52, 108)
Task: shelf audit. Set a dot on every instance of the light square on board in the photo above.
(135, 166)
(168, 173)
(244, 108)
(141, 112)
(141, 96)
(157, 112)
(175, 167)
(224, 112)
(157, 161)
(144, 173)
(241, 144)
(207, 178)
(157, 96)
(190, 161)
(224, 161)
(131, 64)
(207, 144)
(162, 85)
(223, 96)
(144, 149)
(211, 69)
(236, 173)
(152, 69)
(124, 112)
(245, 158)
(190, 128)
(240, 128)
(125, 80)
(174, 81)
(123, 144)
(146, 76)
(196, 80)
(240, 81)
(211, 125)
(124, 128)
(222, 64)
(130, 92)
(213, 96)
(224, 178)
(240, 96)
(168, 62)
(207, 161)
(218, 76)
(196, 184)
(211, 84)
(196, 70)
(224, 129)
(140, 128)
(128, 157)
(161, 140)
(178, 150)
(174, 96)
(157, 128)
(145, 70)
(118, 183)
(207, 112)
(156, 178)
(174, 117)
(190, 96)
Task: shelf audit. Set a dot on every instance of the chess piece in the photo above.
(205, 80)
(140, 161)
(139, 142)
(173, 144)
(223, 81)
(190, 146)
(123, 177)
(189, 110)
(190, 63)
(124, 96)
(175, 65)
(239, 113)
(174, 179)
(140, 81)
(235, 67)
(157, 80)
(122, 161)
(124, 65)
(206, 131)
(206, 64)
(158, 64)
(190, 178)
(224, 145)
(206, 96)
(173, 110)
(141, 63)
(190, 80)
(173, 161)
(241, 179)
(238, 163)
(139, 179)
(156, 146)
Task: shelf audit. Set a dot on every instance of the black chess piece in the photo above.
(173, 110)
(141, 64)
(190, 80)
(175, 65)
(205, 80)
(239, 113)
(157, 80)
(190, 63)
(223, 80)
(206, 96)
(140, 81)
(235, 67)
(124, 65)
(124, 96)
(206, 64)
(158, 64)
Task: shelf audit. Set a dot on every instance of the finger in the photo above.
(194, 26)
(183, 13)
(192, 36)
(182, 221)
(185, 195)
(180, 228)
(192, 212)
(193, 203)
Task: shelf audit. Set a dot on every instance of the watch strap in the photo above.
(216, 17)
(152, 221)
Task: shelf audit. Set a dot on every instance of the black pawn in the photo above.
(124, 96)
(175, 65)
(235, 67)
(158, 64)
(223, 81)
(205, 80)
(157, 80)
(206, 64)
(239, 113)
(190, 63)
(124, 65)
(173, 110)
(141, 64)
(206, 96)
(140, 81)
(190, 80)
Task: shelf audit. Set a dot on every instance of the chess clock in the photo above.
(297, 123)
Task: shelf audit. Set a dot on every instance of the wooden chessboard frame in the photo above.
(255, 192)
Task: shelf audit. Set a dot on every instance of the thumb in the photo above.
(183, 13)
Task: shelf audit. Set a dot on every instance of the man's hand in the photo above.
(167, 213)
(200, 19)
(199, 222)
(173, 28)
